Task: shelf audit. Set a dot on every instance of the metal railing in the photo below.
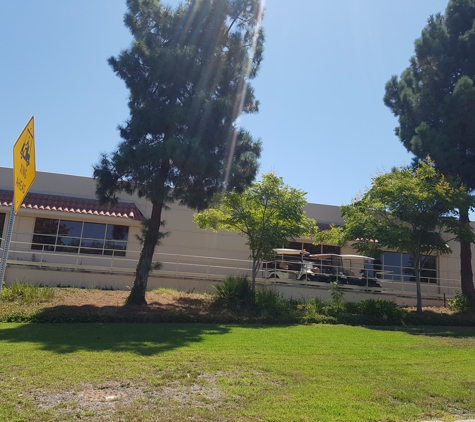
(215, 268)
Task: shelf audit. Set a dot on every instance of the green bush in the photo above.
(368, 311)
(381, 309)
(26, 293)
(234, 292)
(312, 310)
(459, 302)
(352, 308)
(271, 304)
(337, 304)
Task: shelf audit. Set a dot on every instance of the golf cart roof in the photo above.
(324, 255)
(349, 256)
(284, 251)
(334, 255)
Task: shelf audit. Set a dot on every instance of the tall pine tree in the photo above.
(187, 71)
(434, 100)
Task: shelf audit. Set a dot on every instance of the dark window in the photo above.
(315, 249)
(46, 226)
(2, 223)
(76, 236)
(67, 244)
(70, 228)
(400, 267)
(94, 230)
(115, 232)
(331, 249)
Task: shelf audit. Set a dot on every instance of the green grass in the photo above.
(178, 372)
(25, 293)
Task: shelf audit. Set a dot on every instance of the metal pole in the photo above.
(6, 247)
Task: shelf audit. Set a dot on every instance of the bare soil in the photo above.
(158, 302)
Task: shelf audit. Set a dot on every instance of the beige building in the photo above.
(63, 236)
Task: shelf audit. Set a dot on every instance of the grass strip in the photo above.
(235, 373)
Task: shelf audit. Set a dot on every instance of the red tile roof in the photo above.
(73, 205)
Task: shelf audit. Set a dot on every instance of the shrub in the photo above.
(459, 302)
(352, 307)
(26, 293)
(338, 297)
(382, 309)
(271, 304)
(234, 292)
(312, 310)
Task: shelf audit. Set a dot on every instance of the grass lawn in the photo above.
(178, 372)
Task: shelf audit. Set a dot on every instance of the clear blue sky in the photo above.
(322, 120)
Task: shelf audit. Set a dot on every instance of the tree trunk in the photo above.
(466, 275)
(137, 295)
(255, 268)
(417, 273)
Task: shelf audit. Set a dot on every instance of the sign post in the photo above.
(24, 173)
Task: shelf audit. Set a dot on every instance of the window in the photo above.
(400, 267)
(79, 237)
(2, 223)
(315, 249)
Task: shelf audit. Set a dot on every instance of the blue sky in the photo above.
(322, 120)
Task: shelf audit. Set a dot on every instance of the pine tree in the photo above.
(434, 100)
(187, 71)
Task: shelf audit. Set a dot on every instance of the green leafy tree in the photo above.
(406, 210)
(434, 100)
(187, 71)
(268, 213)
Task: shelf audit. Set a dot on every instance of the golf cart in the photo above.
(346, 269)
(291, 264)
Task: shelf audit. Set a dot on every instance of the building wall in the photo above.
(186, 247)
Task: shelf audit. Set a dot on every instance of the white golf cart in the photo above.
(346, 269)
(290, 264)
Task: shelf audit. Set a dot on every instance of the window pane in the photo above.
(69, 249)
(68, 241)
(94, 230)
(116, 232)
(70, 228)
(293, 245)
(2, 223)
(43, 242)
(91, 251)
(430, 262)
(46, 226)
(115, 252)
(312, 249)
(331, 249)
(92, 246)
(122, 246)
(392, 263)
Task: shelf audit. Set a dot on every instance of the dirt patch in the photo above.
(112, 399)
(159, 302)
(193, 302)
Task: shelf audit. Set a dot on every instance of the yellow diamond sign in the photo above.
(24, 166)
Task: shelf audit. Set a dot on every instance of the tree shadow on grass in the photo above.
(437, 324)
(454, 332)
(432, 331)
(67, 329)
